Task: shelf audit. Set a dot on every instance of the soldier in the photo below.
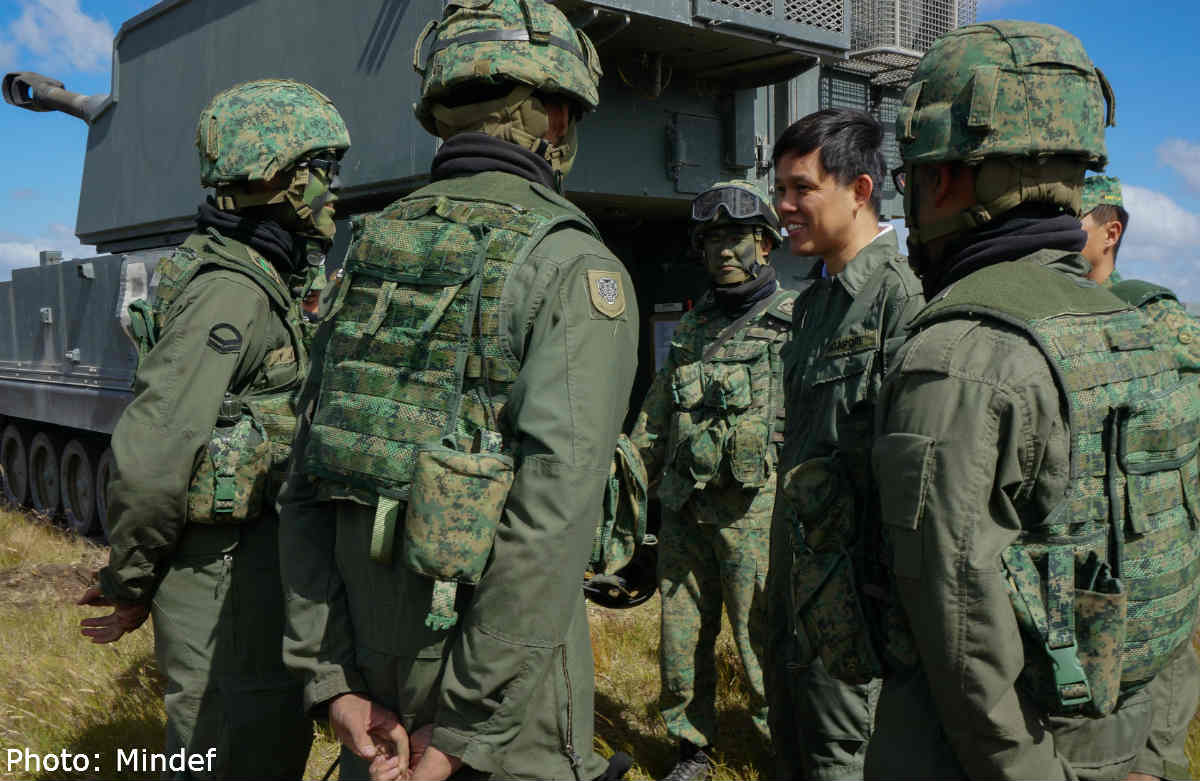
(823, 671)
(1037, 467)
(202, 448)
(1105, 221)
(1176, 688)
(468, 389)
(708, 431)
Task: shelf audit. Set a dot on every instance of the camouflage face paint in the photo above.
(732, 254)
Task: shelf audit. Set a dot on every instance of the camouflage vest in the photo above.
(1105, 587)
(729, 407)
(1138, 293)
(246, 459)
(415, 375)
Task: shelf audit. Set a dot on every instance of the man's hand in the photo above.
(372, 732)
(112, 627)
(430, 764)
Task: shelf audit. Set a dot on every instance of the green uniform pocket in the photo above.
(230, 483)
(687, 385)
(453, 509)
(729, 388)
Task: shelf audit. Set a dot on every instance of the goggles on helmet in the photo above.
(738, 203)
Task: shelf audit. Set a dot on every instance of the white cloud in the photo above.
(1184, 157)
(60, 35)
(8, 54)
(22, 251)
(1163, 243)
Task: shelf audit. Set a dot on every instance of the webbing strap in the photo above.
(383, 533)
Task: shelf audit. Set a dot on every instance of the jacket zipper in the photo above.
(572, 757)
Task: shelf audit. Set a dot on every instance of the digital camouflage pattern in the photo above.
(455, 504)
(271, 396)
(1179, 331)
(1106, 358)
(414, 337)
(622, 527)
(1005, 89)
(526, 42)
(252, 131)
(702, 567)
(231, 479)
(708, 433)
(1099, 190)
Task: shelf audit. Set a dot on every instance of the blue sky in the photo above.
(1149, 56)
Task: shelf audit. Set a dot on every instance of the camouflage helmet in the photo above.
(505, 41)
(252, 131)
(1005, 89)
(735, 201)
(1099, 190)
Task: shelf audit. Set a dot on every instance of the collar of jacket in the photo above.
(472, 153)
(863, 266)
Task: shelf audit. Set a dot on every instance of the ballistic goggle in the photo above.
(738, 203)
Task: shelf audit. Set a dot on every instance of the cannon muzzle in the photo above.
(35, 92)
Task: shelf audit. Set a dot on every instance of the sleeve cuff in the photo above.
(473, 753)
(118, 590)
(327, 685)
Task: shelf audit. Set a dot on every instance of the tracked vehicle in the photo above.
(694, 92)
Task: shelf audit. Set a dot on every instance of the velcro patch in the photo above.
(606, 292)
(225, 339)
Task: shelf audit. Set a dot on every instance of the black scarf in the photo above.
(736, 300)
(473, 153)
(1012, 239)
(266, 237)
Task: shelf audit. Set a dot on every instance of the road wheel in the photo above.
(14, 466)
(78, 481)
(44, 496)
(106, 467)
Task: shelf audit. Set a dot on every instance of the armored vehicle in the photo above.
(694, 92)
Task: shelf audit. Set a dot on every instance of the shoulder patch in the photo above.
(606, 292)
(225, 339)
(784, 305)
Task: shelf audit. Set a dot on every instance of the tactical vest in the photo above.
(1105, 587)
(246, 459)
(415, 375)
(729, 407)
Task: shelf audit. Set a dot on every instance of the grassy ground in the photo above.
(58, 691)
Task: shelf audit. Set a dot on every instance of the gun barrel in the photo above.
(35, 92)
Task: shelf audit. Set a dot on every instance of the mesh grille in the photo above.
(886, 109)
(764, 7)
(825, 14)
(838, 91)
(889, 36)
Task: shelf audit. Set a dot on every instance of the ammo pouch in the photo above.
(230, 483)
(826, 587)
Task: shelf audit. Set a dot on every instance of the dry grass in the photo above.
(58, 691)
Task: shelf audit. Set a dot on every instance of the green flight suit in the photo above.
(1176, 689)
(713, 544)
(832, 375)
(951, 705)
(214, 590)
(510, 687)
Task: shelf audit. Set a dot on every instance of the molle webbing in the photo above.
(1134, 493)
(414, 356)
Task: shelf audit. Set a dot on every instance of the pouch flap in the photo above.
(903, 469)
(427, 252)
(739, 352)
(1161, 431)
(846, 365)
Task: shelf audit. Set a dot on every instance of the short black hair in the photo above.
(1106, 213)
(850, 142)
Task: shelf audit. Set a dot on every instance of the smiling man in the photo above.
(708, 431)
(822, 665)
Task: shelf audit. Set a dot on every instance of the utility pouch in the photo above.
(1074, 647)
(230, 483)
(687, 385)
(704, 451)
(830, 611)
(454, 507)
(819, 493)
(729, 387)
(747, 446)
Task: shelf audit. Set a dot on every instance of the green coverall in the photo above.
(214, 590)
